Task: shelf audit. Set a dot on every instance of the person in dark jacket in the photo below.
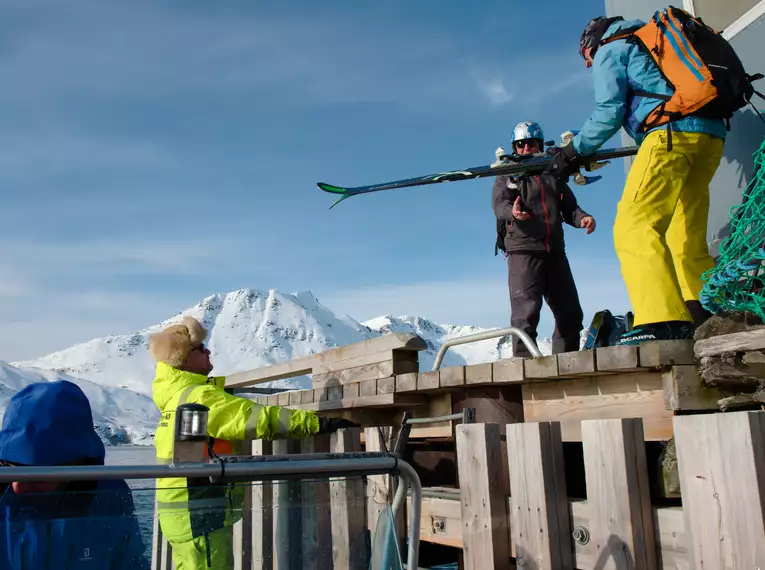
(76, 525)
(533, 209)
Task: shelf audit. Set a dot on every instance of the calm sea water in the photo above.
(143, 489)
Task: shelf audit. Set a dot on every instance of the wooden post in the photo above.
(618, 496)
(540, 516)
(287, 510)
(317, 519)
(483, 489)
(161, 551)
(380, 496)
(262, 515)
(243, 530)
(721, 458)
(349, 546)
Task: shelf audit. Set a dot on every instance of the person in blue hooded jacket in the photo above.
(661, 221)
(74, 525)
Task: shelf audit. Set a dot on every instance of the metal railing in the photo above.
(486, 335)
(255, 468)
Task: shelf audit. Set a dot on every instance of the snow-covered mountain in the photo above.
(251, 329)
(120, 416)
(248, 329)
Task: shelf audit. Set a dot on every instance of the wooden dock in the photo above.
(619, 457)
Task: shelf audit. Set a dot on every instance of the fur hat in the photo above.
(173, 344)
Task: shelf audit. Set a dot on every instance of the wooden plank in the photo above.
(283, 398)
(242, 530)
(349, 547)
(660, 353)
(734, 342)
(350, 390)
(361, 373)
(280, 371)
(368, 388)
(316, 511)
(444, 513)
(440, 521)
(618, 496)
(483, 488)
(273, 400)
(452, 376)
(386, 385)
(508, 370)
(320, 395)
(540, 519)
(379, 401)
(477, 374)
(576, 363)
(428, 380)
(307, 396)
(304, 365)
(542, 367)
(600, 397)
(295, 398)
(684, 390)
(721, 458)
(617, 358)
(380, 496)
(334, 393)
(288, 515)
(322, 367)
(161, 551)
(406, 382)
(262, 515)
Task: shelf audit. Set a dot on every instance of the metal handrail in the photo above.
(486, 335)
(275, 467)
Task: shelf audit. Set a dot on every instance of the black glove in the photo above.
(330, 425)
(564, 161)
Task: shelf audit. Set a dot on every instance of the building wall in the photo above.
(747, 130)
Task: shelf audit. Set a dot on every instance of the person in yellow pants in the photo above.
(195, 516)
(661, 221)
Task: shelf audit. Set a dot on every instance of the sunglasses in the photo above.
(525, 142)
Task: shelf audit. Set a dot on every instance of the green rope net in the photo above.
(737, 283)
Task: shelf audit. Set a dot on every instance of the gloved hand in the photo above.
(330, 425)
(564, 161)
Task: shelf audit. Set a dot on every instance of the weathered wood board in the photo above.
(734, 342)
(637, 394)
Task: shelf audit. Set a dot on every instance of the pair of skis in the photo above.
(513, 164)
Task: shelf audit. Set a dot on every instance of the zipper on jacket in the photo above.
(547, 217)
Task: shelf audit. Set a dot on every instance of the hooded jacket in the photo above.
(619, 69)
(186, 513)
(550, 203)
(84, 525)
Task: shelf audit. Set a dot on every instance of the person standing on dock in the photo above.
(661, 221)
(198, 521)
(52, 525)
(530, 212)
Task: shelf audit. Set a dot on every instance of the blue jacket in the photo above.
(84, 525)
(619, 68)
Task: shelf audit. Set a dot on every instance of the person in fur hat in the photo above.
(198, 522)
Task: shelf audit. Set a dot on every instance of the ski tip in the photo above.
(343, 197)
(330, 188)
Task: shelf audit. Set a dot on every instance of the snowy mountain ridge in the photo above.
(248, 328)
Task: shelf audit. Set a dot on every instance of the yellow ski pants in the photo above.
(214, 551)
(661, 224)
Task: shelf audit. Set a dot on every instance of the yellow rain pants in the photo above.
(214, 551)
(661, 224)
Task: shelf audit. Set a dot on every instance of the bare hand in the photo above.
(588, 222)
(519, 214)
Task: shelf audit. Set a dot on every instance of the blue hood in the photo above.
(50, 423)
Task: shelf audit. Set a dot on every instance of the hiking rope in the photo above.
(737, 283)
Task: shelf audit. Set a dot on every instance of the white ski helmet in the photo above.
(528, 130)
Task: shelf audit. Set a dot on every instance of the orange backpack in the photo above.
(700, 65)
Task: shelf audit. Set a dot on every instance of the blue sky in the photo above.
(152, 154)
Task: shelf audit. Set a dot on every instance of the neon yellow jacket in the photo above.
(190, 513)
